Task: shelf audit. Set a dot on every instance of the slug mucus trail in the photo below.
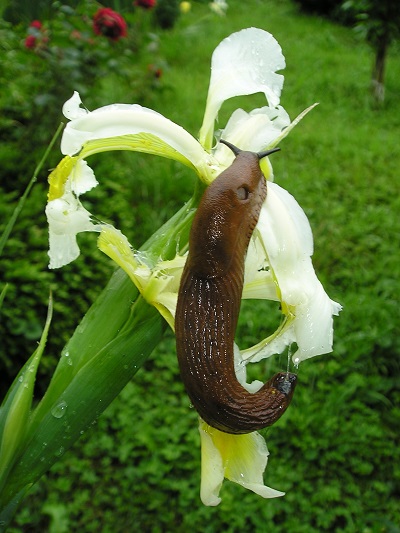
(209, 302)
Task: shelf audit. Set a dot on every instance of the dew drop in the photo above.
(60, 451)
(60, 409)
(296, 363)
(21, 378)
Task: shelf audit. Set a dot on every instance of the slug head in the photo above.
(227, 215)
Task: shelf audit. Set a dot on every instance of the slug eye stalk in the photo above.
(237, 150)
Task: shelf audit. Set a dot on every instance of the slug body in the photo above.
(209, 303)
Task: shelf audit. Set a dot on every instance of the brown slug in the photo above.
(209, 302)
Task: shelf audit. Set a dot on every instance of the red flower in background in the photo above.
(30, 42)
(35, 24)
(145, 4)
(36, 35)
(109, 23)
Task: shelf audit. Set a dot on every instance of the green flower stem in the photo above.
(20, 205)
(92, 389)
(110, 344)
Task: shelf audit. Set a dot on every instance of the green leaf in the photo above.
(15, 409)
(54, 428)
(3, 294)
(21, 202)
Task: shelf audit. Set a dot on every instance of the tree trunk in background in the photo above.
(378, 72)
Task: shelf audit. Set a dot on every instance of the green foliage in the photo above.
(375, 20)
(166, 13)
(336, 450)
(64, 55)
(326, 8)
(67, 56)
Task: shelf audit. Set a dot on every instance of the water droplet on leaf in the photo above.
(60, 409)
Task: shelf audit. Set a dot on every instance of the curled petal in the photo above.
(82, 178)
(71, 174)
(158, 285)
(72, 108)
(66, 217)
(132, 127)
(285, 233)
(239, 458)
(244, 63)
(113, 243)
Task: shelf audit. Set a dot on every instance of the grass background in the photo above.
(336, 451)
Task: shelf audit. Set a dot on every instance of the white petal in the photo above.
(72, 108)
(82, 178)
(117, 120)
(286, 233)
(240, 458)
(212, 470)
(256, 130)
(66, 217)
(244, 63)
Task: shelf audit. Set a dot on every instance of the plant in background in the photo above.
(379, 24)
(128, 319)
(77, 48)
(219, 7)
(109, 23)
(37, 36)
(145, 4)
(166, 13)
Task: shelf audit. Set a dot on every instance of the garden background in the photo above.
(336, 451)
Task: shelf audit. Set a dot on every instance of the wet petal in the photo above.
(72, 108)
(66, 217)
(158, 285)
(244, 63)
(286, 235)
(133, 127)
(239, 458)
(254, 131)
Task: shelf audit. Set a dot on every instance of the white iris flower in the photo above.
(278, 263)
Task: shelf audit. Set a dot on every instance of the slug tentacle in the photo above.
(209, 303)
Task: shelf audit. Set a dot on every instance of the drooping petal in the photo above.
(244, 63)
(286, 236)
(66, 217)
(71, 174)
(239, 458)
(82, 178)
(113, 243)
(133, 127)
(158, 285)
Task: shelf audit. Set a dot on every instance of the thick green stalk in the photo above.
(110, 344)
(93, 388)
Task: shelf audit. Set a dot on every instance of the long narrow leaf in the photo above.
(92, 389)
(21, 202)
(15, 409)
(3, 294)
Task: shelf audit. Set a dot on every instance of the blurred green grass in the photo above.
(336, 451)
